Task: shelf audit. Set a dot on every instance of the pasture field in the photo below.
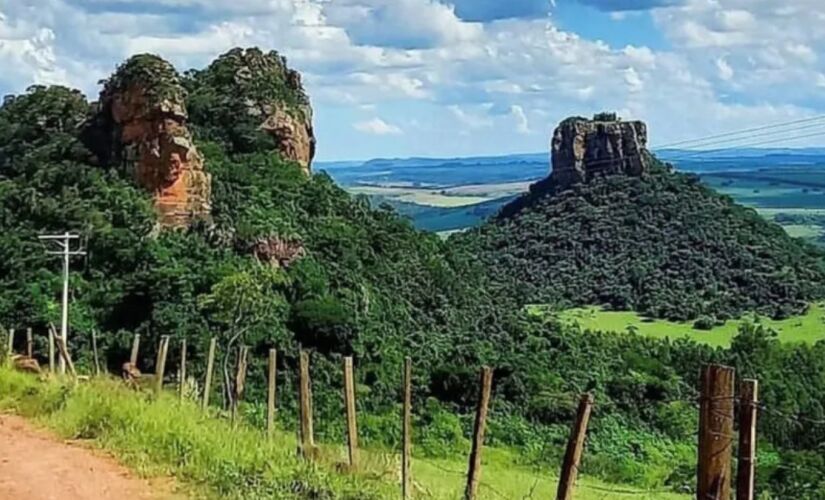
(809, 327)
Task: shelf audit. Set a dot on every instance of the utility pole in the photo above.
(63, 242)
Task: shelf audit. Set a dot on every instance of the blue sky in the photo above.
(404, 78)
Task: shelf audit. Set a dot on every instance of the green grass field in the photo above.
(211, 459)
(809, 327)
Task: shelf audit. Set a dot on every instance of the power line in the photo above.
(740, 132)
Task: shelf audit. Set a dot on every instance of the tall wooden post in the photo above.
(210, 367)
(10, 350)
(349, 403)
(305, 396)
(715, 433)
(748, 401)
(182, 370)
(575, 447)
(51, 351)
(94, 352)
(406, 431)
(133, 358)
(270, 393)
(474, 470)
(240, 381)
(29, 343)
(160, 364)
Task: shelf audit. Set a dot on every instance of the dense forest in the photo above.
(662, 244)
(367, 284)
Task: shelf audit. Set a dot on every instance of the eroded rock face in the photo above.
(143, 106)
(277, 251)
(259, 93)
(583, 149)
(293, 137)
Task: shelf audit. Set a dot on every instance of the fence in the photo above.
(716, 401)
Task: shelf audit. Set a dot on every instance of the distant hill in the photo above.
(602, 231)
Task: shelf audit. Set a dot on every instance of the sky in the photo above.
(400, 78)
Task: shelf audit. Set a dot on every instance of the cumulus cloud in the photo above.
(406, 24)
(471, 72)
(377, 126)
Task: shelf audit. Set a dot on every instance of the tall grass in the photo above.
(164, 436)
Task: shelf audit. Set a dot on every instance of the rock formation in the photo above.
(258, 95)
(142, 110)
(583, 149)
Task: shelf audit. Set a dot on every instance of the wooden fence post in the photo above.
(29, 343)
(474, 468)
(715, 433)
(51, 351)
(160, 364)
(133, 358)
(406, 430)
(94, 352)
(182, 370)
(10, 351)
(210, 367)
(240, 380)
(748, 400)
(575, 447)
(349, 403)
(307, 441)
(270, 393)
(65, 359)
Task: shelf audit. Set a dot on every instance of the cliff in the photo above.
(582, 149)
(249, 100)
(142, 121)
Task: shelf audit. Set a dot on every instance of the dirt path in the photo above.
(37, 466)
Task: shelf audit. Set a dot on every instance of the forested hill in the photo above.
(193, 197)
(618, 228)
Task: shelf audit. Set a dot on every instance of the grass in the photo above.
(808, 231)
(809, 327)
(209, 458)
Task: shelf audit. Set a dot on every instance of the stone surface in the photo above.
(277, 251)
(143, 107)
(268, 94)
(294, 139)
(583, 149)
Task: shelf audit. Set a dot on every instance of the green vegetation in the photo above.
(809, 327)
(159, 437)
(662, 244)
(371, 286)
(211, 458)
(229, 99)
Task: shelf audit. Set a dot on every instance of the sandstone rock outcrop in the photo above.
(583, 149)
(259, 95)
(142, 108)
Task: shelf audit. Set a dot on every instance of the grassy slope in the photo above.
(809, 327)
(209, 458)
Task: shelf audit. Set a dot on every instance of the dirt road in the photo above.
(37, 466)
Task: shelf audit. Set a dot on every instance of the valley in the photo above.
(784, 185)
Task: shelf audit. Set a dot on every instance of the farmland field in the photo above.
(809, 327)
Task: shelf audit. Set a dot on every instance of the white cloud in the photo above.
(725, 71)
(470, 119)
(522, 124)
(377, 126)
(416, 60)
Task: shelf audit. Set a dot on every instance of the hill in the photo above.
(195, 198)
(616, 227)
